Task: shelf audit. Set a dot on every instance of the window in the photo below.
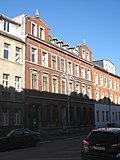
(88, 74)
(76, 70)
(103, 116)
(83, 89)
(114, 85)
(97, 95)
(44, 59)
(83, 72)
(63, 87)
(42, 33)
(105, 81)
(54, 62)
(18, 55)
(5, 117)
(62, 65)
(96, 78)
(69, 67)
(33, 55)
(17, 83)
(45, 83)
(83, 54)
(34, 81)
(17, 120)
(89, 92)
(33, 29)
(5, 81)
(110, 81)
(6, 51)
(77, 88)
(54, 85)
(70, 87)
(107, 116)
(97, 116)
(6, 26)
(101, 80)
(88, 56)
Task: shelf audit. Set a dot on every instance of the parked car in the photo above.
(101, 144)
(19, 138)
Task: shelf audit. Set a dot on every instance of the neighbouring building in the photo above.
(12, 52)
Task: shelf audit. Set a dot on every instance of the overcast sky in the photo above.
(96, 21)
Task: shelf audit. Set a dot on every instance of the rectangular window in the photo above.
(89, 92)
(34, 81)
(88, 74)
(77, 88)
(97, 116)
(83, 72)
(33, 29)
(6, 51)
(103, 116)
(83, 54)
(107, 116)
(83, 89)
(45, 83)
(5, 117)
(18, 55)
(33, 55)
(17, 83)
(54, 62)
(62, 65)
(42, 33)
(70, 87)
(6, 26)
(5, 81)
(17, 117)
(63, 87)
(54, 85)
(69, 67)
(88, 56)
(44, 59)
(76, 70)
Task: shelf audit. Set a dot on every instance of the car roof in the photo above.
(107, 130)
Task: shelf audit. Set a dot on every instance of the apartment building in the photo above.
(12, 51)
(106, 93)
(57, 79)
(49, 86)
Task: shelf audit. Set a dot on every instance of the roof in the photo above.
(107, 130)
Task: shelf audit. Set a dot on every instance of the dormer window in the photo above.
(6, 26)
(42, 33)
(33, 29)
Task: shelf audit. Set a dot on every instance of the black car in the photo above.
(101, 144)
(19, 138)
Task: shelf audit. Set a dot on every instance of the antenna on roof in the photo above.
(37, 13)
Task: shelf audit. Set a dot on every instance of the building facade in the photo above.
(12, 51)
(52, 86)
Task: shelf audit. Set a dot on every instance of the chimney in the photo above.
(36, 14)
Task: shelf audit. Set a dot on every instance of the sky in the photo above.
(95, 21)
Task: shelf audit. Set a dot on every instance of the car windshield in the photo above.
(102, 138)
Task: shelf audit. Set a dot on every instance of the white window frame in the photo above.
(33, 55)
(83, 89)
(6, 49)
(17, 117)
(63, 87)
(88, 74)
(83, 72)
(34, 80)
(77, 87)
(18, 83)
(69, 67)
(18, 55)
(45, 87)
(62, 65)
(83, 53)
(54, 86)
(45, 59)
(54, 62)
(42, 33)
(5, 117)
(77, 70)
(33, 31)
(6, 26)
(5, 81)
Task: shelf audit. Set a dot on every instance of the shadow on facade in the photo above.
(46, 112)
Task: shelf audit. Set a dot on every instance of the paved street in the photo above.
(65, 148)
